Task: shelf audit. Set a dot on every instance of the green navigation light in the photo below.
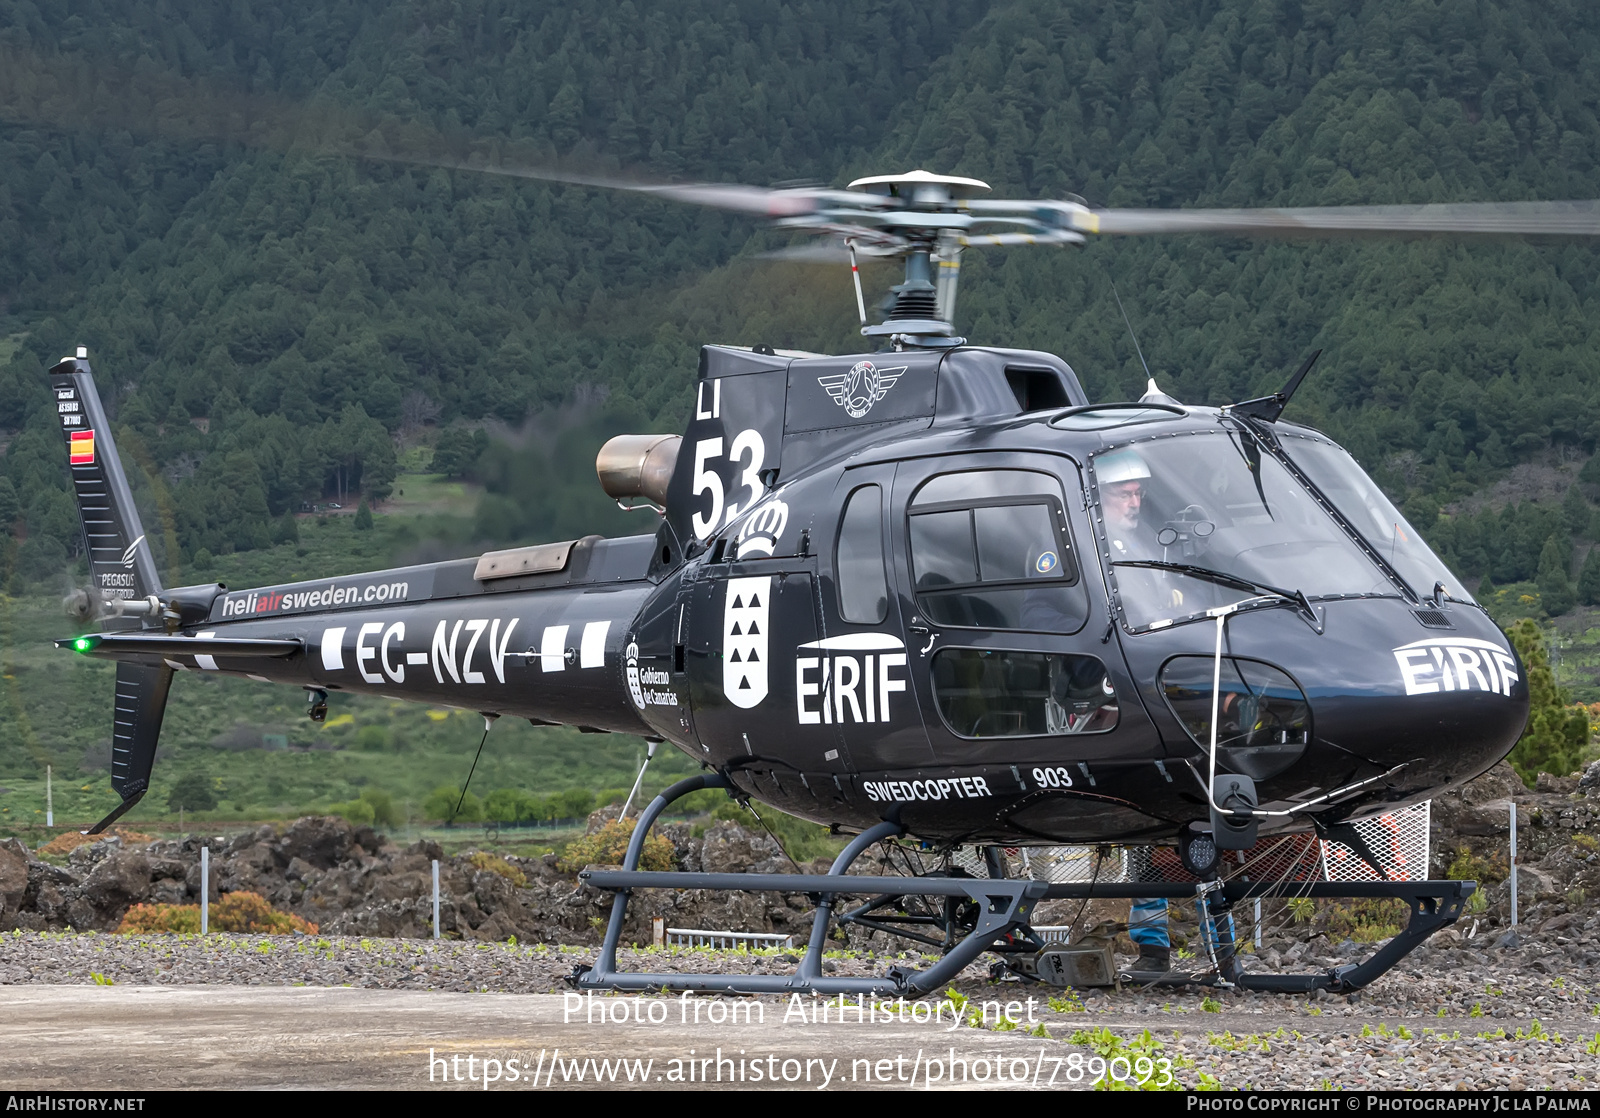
(83, 644)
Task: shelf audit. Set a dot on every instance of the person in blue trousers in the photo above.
(1147, 927)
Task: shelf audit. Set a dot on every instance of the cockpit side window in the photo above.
(997, 693)
(990, 549)
(863, 583)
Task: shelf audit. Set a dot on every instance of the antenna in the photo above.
(1131, 334)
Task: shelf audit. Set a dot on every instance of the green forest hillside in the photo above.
(278, 324)
(264, 313)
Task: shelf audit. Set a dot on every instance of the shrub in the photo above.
(441, 804)
(147, 919)
(574, 803)
(495, 864)
(372, 739)
(384, 811)
(1367, 920)
(251, 912)
(232, 912)
(511, 805)
(609, 845)
(534, 809)
(1466, 866)
(193, 792)
(358, 812)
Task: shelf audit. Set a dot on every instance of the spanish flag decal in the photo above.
(80, 448)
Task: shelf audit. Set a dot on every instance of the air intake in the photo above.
(1433, 619)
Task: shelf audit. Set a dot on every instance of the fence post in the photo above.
(1258, 923)
(205, 888)
(1513, 864)
(658, 931)
(49, 800)
(436, 898)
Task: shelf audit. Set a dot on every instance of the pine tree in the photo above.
(1557, 734)
(10, 506)
(1555, 585)
(1589, 579)
(364, 517)
(1575, 512)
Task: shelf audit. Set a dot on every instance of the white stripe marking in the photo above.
(333, 649)
(592, 654)
(552, 649)
(209, 663)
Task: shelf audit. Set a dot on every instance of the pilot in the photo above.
(1122, 476)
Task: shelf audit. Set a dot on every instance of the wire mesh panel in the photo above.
(1399, 840)
(1061, 864)
(1055, 864)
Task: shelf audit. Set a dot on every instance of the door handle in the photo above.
(920, 630)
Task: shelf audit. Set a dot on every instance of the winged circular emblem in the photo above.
(864, 385)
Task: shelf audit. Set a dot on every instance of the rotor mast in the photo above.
(929, 224)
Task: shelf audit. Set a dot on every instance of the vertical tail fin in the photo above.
(122, 572)
(122, 568)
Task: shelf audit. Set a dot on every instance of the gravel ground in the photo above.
(1459, 1017)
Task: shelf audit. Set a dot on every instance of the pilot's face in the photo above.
(1122, 502)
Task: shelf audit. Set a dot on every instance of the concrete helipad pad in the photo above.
(107, 1038)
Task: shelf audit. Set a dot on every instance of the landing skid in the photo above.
(993, 915)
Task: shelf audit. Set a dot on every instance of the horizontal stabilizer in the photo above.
(139, 646)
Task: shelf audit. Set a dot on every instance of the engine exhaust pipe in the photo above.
(634, 466)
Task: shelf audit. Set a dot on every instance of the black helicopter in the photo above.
(929, 591)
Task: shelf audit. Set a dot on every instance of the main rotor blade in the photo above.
(1532, 219)
(825, 252)
(762, 201)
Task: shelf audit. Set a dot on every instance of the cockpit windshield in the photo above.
(1363, 504)
(1217, 502)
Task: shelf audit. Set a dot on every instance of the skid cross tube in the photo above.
(1002, 907)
